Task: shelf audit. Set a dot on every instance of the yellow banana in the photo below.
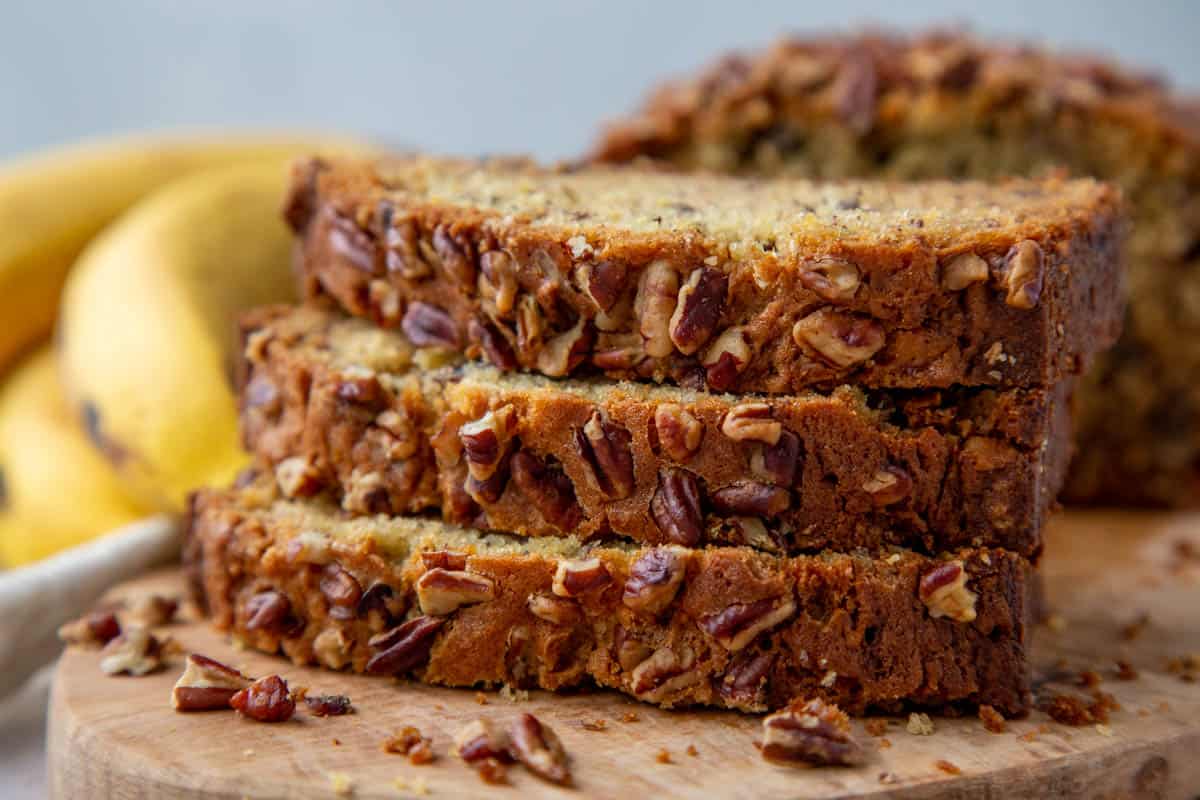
(57, 491)
(147, 334)
(52, 204)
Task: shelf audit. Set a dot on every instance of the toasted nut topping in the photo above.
(604, 282)
(495, 345)
(676, 432)
(531, 328)
(676, 507)
(566, 351)
(297, 477)
(265, 700)
(269, 611)
(404, 647)
(575, 577)
(537, 747)
(408, 741)
(445, 559)
(605, 448)
(485, 441)
(403, 256)
(342, 590)
(888, 486)
(810, 731)
(753, 532)
(780, 463)
(206, 685)
(834, 279)
(839, 338)
(548, 489)
(698, 309)
(479, 741)
(629, 651)
(360, 387)
(383, 301)
(654, 579)
(556, 610)
(455, 253)
(753, 499)
(498, 281)
(153, 610)
(95, 629)
(964, 269)
(376, 602)
(751, 422)
(442, 591)
(429, 326)
(944, 590)
(351, 243)
(134, 652)
(657, 294)
(741, 623)
(663, 673)
(744, 680)
(1026, 272)
(725, 358)
(328, 705)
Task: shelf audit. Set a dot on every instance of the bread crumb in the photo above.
(579, 246)
(1135, 628)
(876, 726)
(417, 785)
(894, 558)
(630, 716)
(948, 767)
(993, 720)
(249, 751)
(1126, 672)
(514, 695)
(888, 778)
(1056, 623)
(692, 751)
(920, 724)
(829, 679)
(1104, 730)
(336, 742)
(663, 757)
(481, 698)
(885, 743)
(594, 724)
(341, 784)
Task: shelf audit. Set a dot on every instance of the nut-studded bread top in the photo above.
(719, 283)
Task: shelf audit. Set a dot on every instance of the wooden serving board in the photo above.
(119, 738)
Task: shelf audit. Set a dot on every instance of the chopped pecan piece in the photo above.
(94, 629)
(328, 705)
(549, 489)
(810, 731)
(657, 294)
(359, 386)
(725, 358)
(739, 624)
(403, 255)
(778, 463)
(575, 577)
(839, 338)
(342, 590)
(135, 651)
(888, 486)
(654, 579)
(751, 422)
(743, 682)
(408, 741)
(298, 477)
(676, 507)
(206, 685)
(455, 254)
(375, 605)
(442, 591)
(498, 281)
(153, 610)
(269, 611)
(485, 441)
(964, 269)
(479, 740)
(1025, 274)
(554, 609)
(605, 448)
(944, 590)
(750, 498)
(495, 345)
(566, 351)
(834, 279)
(629, 651)
(604, 282)
(429, 326)
(445, 559)
(537, 747)
(698, 309)
(265, 700)
(663, 673)
(675, 432)
(404, 647)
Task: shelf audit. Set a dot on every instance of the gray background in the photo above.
(456, 77)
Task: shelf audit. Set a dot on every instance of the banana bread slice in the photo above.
(952, 106)
(716, 282)
(333, 403)
(723, 626)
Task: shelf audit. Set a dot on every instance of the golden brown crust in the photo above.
(722, 626)
(718, 283)
(332, 404)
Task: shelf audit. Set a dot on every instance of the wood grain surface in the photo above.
(1108, 575)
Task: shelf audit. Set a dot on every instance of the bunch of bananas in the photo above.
(141, 252)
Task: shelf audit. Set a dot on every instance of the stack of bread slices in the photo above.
(703, 440)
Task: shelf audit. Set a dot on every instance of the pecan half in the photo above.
(751, 498)
(779, 463)
(605, 448)
(135, 652)
(813, 732)
(834, 279)
(328, 705)
(485, 441)
(888, 486)
(604, 282)
(654, 579)
(429, 326)
(270, 611)
(554, 609)
(944, 591)
(498, 281)
(352, 244)
(751, 422)
(657, 293)
(741, 623)
(402, 254)
(94, 629)
(265, 700)
(442, 591)
(1025, 266)
(494, 344)
(675, 432)
(479, 740)
(743, 683)
(404, 647)
(962, 270)
(839, 338)
(455, 253)
(537, 747)
(342, 590)
(566, 351)
(663, 673)
(206, 685)
(698, 309)
(725, 358)
(676, 507)
(575, 577)
(548, 488)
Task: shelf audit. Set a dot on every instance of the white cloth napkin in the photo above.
(36, 599)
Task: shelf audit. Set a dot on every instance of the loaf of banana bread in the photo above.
(716, 282)
(950, 106)
(335, 404)
(724, 626)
